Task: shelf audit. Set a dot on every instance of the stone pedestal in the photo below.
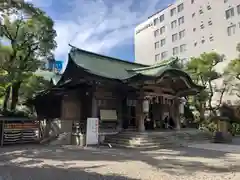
(222, 135)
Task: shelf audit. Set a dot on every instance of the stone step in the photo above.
(142, 139)
(161, 140)
(162, 143)
(145, 145)
(138, 142)
(128, 146)
(165, 143)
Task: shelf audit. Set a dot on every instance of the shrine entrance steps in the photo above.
(157, 139)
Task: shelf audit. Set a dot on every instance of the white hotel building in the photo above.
(188, 28)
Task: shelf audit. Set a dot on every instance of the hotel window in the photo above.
(173, 11)
(210, 23)
(211, 38)
(225, 1)
(155, 21)
(202, 26)
(192, 1)
(231, 30)
(200, 11)
(156, 32)
(174, 24)
(194, 29)
(238, 9)
(181, 34)
(183, 48)
(181, 20)
(162, 30)
(156, 45)
(229, 13)
(175, 51)
(163, 42)
(195, 44)
(203, 41)
(157, 57)
(193, 15)
(180, 7)
(161, 18)
(174, 37)
(163, 55)
(209, 7)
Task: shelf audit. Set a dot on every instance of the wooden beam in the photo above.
(157, 94)
(158, 89)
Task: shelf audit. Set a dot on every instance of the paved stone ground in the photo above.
(74, 163)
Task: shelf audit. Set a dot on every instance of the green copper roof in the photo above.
(156, 70)
(103, 66)
(48, 75)
(112, 68)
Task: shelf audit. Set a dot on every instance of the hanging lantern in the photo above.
(181, 108)
(145, 105)
(151, 100)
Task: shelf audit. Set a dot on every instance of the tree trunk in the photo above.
(6, 98)
(202, 112)
(15, 92)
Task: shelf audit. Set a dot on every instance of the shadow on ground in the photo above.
(180, 161)
(14, 172)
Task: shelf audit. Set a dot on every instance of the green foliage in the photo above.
(234, 68)
(202, 71)
(13, 6)
(233, 71)
(14, 114)
(31, 40)
(202, 68)
(32, 85)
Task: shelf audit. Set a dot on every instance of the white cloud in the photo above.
(97, 26)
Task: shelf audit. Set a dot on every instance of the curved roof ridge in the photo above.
(104, 56)
(156, 65)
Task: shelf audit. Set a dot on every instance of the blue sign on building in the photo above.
(58, 65)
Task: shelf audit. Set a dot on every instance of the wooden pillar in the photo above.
(119, 113)
(155, 112)
(177, 114)
(139, 113)
(94, 107)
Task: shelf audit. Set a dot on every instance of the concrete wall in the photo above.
(197, 41)
(222, 43)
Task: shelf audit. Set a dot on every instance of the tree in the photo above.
(31, 40)
(5, 77)
(32, 85)
(233, 70)
(203, 73)
(12, 6)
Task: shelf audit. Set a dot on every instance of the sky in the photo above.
(101, 26)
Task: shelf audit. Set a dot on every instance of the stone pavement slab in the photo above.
(71, 162)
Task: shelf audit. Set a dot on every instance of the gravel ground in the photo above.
(74, 163)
